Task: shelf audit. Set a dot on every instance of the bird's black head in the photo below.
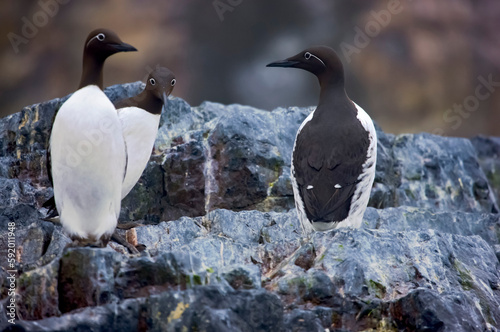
(101, 43)
(322, 61)
(160, 83)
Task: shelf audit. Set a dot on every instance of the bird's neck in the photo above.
(331, 85)
(332, 92)
(92, 72)
(333, 98)
(146, 101)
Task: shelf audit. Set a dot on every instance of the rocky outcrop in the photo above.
(224, 248)
(488, 153)
(215, 156)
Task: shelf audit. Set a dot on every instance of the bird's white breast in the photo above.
(363, 188)
(88, 162)
(299, 204)
(139, 131)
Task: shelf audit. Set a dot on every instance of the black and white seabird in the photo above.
(140, 117)
(88, 156)
(335, 150)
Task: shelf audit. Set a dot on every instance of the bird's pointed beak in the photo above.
(284, 63)
(164, 98)
(124, 47)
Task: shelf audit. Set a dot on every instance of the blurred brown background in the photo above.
(413, 65)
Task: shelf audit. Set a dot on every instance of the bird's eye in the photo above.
(152, 81)
(307, 55)
(100, 37)
(173, 82)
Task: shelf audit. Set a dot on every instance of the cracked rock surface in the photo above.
(224, 249)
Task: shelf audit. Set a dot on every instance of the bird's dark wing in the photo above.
(326, 170)
(50, 204)
(49, 165)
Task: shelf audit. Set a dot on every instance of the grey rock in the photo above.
(224, 247)
(39, 293)
(123, 316)
(305, 256)
(426, 310)
(242, 151)
(33, 245)
(302, 321)
(24, 137)
(242, 227)
(488, 153)
(237, 157)
(15, 192)
(58, 241)
(432, 172)
(145, 275)
(169, 236)
(184, 180)
(232, 157)
(247, 310)
(147, 200)
(243, 277)
(124, 91)
(496, 247)
(354, 272)
(406, 218)
(393, 262)
(31, 239)
(320, 288)
(361, 264)
(325, 315)
(224, 237)
(86, 278)
(200, 309)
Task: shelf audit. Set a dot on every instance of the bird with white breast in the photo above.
(87, 150)
(140, 117)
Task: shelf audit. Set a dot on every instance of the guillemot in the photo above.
(335, 149)
(87, 149)
(140, 117)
